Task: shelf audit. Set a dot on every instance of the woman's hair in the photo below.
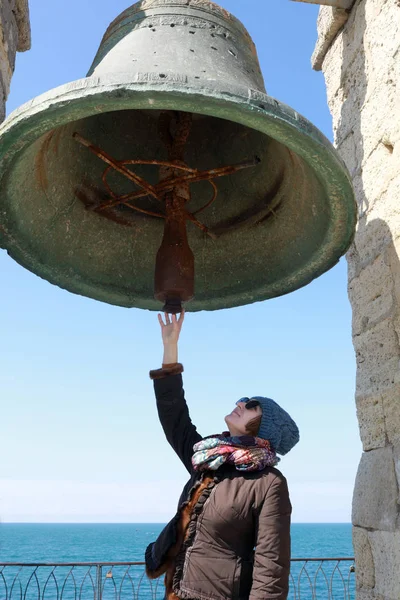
(253, 426)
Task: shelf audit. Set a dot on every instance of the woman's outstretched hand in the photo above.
(170, 331)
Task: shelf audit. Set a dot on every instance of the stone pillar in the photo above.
(359, 53)
(15, 36)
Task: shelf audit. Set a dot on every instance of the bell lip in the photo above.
(88, 96)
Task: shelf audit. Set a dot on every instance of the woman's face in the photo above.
(238, 420)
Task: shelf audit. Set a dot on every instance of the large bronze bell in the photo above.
(168, 173)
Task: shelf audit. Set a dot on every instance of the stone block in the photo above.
(361, 71)
(369, 85)
(381, 168)
(377, 356)
(376, 133)
(8, 32)
(5, 69)
(366, 594)
(389, 208)
(371, 295)
(353, 262)
(382, 378)
(346, 45)
(392, 258)
(391, 412)
(377, 197)
(354, 33)
(378, 227)
(347, 112)
(376, 493)
(381, 37)
(365, 568)
(385, 547)
(396, 456)
(23, 24)
(380, 43)
(343, 69)
(352, 152)
(8, 44)
(330, 22)
(373, 26)
(361, 198)
(332, 68)
(371, 421)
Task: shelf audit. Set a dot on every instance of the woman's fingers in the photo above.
(171, 319)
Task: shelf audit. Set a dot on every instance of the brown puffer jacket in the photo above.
(237, 544)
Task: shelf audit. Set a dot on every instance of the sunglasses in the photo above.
(249, 403)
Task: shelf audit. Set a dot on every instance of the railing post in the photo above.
(99, 577)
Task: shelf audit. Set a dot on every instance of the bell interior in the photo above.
(266, 221)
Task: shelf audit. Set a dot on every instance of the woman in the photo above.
(230, 538)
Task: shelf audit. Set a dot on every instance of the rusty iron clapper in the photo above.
(168, 175)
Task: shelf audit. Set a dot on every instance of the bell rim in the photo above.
(251, 108)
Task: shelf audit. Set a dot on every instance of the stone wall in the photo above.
(14, 37)
(359, 53)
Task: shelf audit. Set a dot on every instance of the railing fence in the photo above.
(310, 579)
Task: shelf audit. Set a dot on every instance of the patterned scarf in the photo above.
(247, 453)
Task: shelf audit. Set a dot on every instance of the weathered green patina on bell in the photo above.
(175, 94)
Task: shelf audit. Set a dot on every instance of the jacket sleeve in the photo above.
(174, 417)
(272, 551)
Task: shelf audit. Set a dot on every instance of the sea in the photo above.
(119, 543)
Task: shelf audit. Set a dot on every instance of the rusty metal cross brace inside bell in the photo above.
(174, 270)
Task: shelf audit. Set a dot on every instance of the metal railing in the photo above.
(310, 579)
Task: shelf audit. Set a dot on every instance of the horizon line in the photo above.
(145, 523)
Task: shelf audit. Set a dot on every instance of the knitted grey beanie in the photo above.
(277, 426)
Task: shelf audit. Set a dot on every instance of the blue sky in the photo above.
(80, 440)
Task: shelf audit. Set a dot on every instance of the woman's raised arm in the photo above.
(171, 404)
